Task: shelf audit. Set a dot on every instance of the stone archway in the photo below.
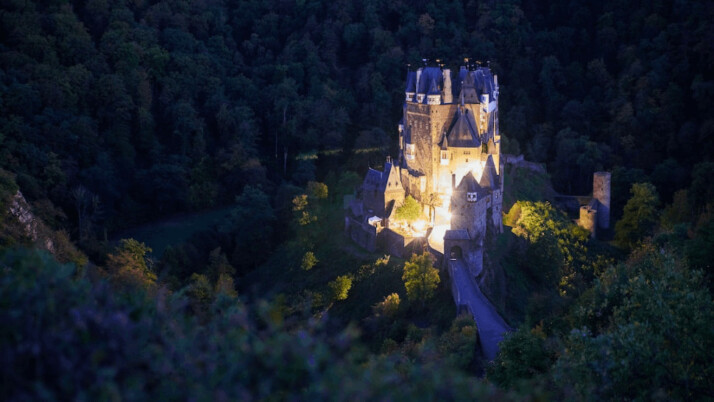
(455, 253)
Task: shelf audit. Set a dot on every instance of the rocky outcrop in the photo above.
(32, 227)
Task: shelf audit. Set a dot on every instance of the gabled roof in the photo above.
(372, 180)
(469, 184)
(390, 178)
(489, 177)
(383, 181)
(462, 133)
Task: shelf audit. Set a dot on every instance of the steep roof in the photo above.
(463, 72)
(411, 81)
(390, 178)
(444, 144)
(429, 74)
(383, 181)
(483, 81)
(433, 90)
(479, 82)
(469, 184)
(462, 133)
(489, 177)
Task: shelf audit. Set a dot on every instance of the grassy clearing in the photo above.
(176, 230)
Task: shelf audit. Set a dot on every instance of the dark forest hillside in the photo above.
(159, 107)
(116, 114)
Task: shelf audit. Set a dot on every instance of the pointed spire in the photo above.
(462, 95)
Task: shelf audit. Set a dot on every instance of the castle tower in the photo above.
(601, 192)
(469, 202)
(448, 94)
(444, 126)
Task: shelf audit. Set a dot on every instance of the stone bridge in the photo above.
(491, 327)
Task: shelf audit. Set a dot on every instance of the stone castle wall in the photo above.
(470, 216)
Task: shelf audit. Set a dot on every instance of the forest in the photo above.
(119, 114)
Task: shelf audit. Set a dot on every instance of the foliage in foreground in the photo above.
(66, 338)
(643, 331)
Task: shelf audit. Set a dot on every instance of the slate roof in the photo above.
(456, 234)
(372, 180)
(386, 175)
(479, 80)
(469, 185)
(463, 133)
(356, 207)
(433, 90)
(411, 81)
(429, 74)
(376, 180)
(483, 81)
(489, 177)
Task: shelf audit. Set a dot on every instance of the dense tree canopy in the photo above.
(267, 112)
(160, 107)
(639, 216)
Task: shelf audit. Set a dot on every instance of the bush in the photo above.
(308, 261)
(340, 287)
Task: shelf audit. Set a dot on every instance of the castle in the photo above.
(449, 161)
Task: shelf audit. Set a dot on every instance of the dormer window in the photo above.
(433, 99)
(444, 157)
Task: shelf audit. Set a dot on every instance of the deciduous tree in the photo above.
(409, 211)
(420, 278)
(639, 217)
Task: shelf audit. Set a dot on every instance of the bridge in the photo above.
(491, 327)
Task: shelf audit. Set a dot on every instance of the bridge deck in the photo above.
(491, 327)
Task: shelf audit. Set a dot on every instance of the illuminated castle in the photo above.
(449, 161)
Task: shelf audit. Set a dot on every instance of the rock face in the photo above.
(33, 227)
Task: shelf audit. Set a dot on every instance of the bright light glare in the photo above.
(419, 225)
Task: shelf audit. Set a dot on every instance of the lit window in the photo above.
(444, 158)
(410, 151)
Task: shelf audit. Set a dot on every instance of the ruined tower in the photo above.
(601, 192)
